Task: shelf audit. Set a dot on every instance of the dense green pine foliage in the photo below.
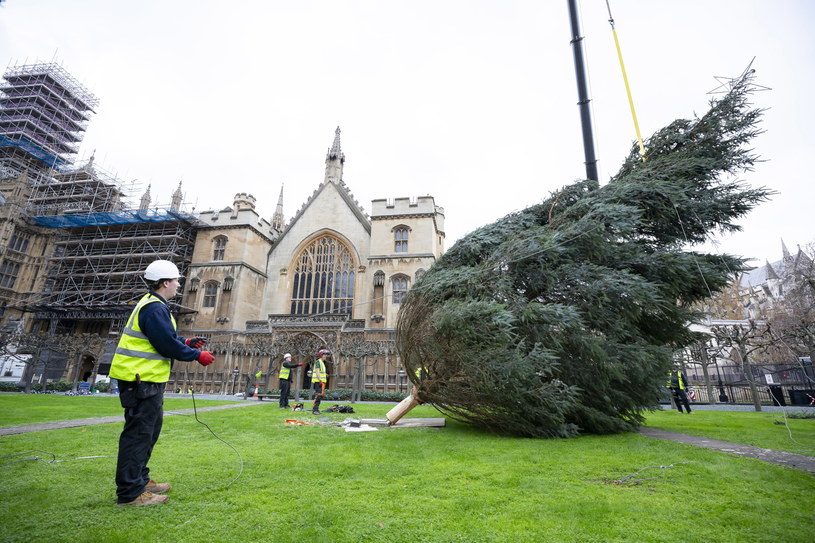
(562, 318)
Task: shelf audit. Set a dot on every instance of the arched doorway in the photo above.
(87, 364)
(83, 371)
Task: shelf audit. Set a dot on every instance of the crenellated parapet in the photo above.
(244, 201)
(389, 209)
(422, 205)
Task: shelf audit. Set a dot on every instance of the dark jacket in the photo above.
(155, 322)
(675, 381)
(289, 365)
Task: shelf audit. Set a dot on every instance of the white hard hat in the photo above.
(161, 269)
(287, 355)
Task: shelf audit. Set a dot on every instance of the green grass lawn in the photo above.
(759, 429)
(318, 483)
(17, 409)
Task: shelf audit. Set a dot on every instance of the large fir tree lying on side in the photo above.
(562, 318)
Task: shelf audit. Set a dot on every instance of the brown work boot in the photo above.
(158, 488)
(147, 498)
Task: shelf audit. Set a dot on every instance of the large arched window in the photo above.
(323, 278)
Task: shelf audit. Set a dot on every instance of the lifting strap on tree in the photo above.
(625, 79)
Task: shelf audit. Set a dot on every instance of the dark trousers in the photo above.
(319, 388)
(285, 385)
(144, 415)
(681, 398)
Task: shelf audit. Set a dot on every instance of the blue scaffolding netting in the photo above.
(36, 151)
(130, 216)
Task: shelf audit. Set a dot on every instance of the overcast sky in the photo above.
(470, 101)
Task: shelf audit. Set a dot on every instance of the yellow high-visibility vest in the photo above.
(135, 354)
(678, 379)
(284, 372)
(318, 372)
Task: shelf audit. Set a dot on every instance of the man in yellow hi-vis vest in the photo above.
(141, 364)
(319, 379)
(678, 385)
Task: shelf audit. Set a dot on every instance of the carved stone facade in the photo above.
(72, 253)
(333, 276)
(766, 286)
(23, 247)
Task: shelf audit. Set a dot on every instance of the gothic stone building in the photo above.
(333, 276)
(72, 253)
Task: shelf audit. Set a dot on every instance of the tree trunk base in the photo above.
(401, 409)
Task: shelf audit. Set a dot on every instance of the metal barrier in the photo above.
(730, 393)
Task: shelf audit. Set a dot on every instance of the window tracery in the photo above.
(323, 279)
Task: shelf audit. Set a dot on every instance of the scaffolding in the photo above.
(100, 257)
(44, 112)
(86, 189)
(15, 161)
(91, 245)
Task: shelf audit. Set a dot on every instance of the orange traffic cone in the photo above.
(255, 394)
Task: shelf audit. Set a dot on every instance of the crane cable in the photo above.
(625, 79)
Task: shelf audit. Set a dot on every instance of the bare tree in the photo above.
(746, 338)
(706, 353)
(358, 349)
(15, 342)
(266, 346)
(35, 344)
(792, 318)
(74, 346)
(698, 356)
